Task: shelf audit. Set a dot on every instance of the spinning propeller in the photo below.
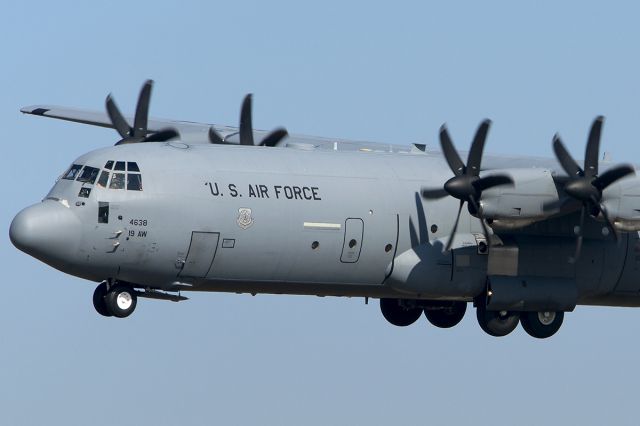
(586, 185)
(139, 131)
(246, 129)
(466, 185)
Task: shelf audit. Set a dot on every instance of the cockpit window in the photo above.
(104, 178)
(109, 165)
(119, 166)
(88, 175)
(132, 166)
(134, 182)
(117, 181)
(72, 172)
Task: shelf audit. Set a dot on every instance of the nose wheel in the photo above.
(118, 300)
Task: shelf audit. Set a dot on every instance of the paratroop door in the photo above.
(353, 234)
(202, 251)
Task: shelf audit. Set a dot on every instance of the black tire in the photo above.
(121, 301)
(446, 317)
(497, 323)
(540, 325)
(398, 313)
(99, 300)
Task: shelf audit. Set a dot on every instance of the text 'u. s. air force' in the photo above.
(278, 192)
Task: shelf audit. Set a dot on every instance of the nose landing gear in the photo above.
(117, 300)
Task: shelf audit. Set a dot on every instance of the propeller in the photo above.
(586, 185)
(466, 185)
(139, 132)
(246, 129)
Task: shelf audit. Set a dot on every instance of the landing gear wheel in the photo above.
(497, 323)
(446, 317)
(398, 313)
(541, 324)
(121, 301)
(99, 300)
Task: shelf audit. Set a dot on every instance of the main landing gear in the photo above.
(443, 314)
(404, 312)
(115, 300)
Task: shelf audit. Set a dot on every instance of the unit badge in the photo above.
(244, 218)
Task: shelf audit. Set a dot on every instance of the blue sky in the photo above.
(363, 70)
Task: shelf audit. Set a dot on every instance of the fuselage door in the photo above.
(353, 234)
(202, 251)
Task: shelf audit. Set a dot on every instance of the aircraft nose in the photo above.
(47, 231)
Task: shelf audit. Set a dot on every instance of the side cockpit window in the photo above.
(134, 182)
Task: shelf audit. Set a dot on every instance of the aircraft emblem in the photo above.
(245, 220)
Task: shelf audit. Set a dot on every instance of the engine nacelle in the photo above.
(521, 204)
(622, 201)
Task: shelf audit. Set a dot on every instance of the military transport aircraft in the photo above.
(179, 206)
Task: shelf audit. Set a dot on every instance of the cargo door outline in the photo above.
(353, 231)
(202, 251)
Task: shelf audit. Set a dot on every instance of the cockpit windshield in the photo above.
(115, 175)
(72, 172)
(88, 175)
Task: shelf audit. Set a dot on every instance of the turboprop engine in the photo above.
(520, 204)
(622, 201)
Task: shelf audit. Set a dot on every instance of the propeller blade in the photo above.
(450, 154)
(117, 119)
(593, 148)
(214, 136)
(455, 228)
(162, 135)
(142, 111)
(492, 181)
(610, 224)
(273, 138)
(246, 128)
(575, 257)
(612, 175)
(477, 147)
(433, 193)
(568, 163)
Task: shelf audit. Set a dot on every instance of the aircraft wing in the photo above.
(193, 132)
(188, 130)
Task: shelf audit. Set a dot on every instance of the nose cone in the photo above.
(47, 231)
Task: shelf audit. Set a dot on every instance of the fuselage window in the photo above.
(109, 165)
(132, 166)
(119, 166)
(117, 181)
(104, 178)
(72, 172)
(134, 181)
(88, 175)
(84, 192)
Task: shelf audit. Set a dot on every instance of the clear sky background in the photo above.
(381, 71)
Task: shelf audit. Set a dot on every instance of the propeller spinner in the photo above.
(139, 132)
(466, 185)
(246, 129)
(587, 185)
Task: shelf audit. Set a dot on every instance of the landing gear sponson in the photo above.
(404, 312)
